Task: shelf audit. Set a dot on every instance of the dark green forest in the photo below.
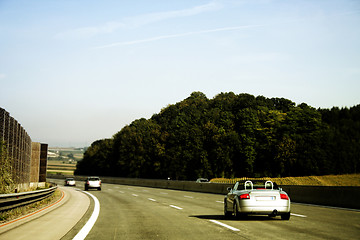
(231, 136)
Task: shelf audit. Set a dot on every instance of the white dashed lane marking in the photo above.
(173, 206)
(298, 215)
(224, 225)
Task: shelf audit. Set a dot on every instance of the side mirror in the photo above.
(229, 189)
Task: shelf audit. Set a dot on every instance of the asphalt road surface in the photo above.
(129, 212)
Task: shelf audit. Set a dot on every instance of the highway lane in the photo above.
(130, 212)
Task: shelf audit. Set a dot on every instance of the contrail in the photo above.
(177, 35)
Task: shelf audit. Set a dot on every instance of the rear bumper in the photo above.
(265, 210)
(92, 185)
(264, 207)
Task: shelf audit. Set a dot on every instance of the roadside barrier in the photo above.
(13, 200)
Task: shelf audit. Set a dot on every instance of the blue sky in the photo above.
(73, 72)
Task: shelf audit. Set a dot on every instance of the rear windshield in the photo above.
(94, 179)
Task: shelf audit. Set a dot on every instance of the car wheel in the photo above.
(99, 188)
(285, 216)
(235, 211)
(226, 212)
(86, 188)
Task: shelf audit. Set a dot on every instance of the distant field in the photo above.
(327, 180)
(63, 160)
(62, 172)
(60, 167)
(65, 154)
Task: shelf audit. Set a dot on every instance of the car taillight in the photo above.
(87, 182)
(284, 196)
(100, 182)
(245, 196)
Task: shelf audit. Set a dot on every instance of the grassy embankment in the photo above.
(327, 180)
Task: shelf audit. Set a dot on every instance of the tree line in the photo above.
(230, 136)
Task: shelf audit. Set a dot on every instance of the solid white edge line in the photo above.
(173, 206)
(90, 223)
(151, 199)
(225, 225)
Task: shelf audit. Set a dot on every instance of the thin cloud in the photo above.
(142, 20)
(138, 21)
(177, 35)
(2, 76)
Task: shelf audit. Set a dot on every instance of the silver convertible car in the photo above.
(257, 197)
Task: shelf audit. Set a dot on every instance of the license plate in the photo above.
(265, 198)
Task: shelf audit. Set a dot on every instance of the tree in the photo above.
(97, 159)
(231, 136)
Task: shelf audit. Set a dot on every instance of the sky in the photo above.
(73, 72)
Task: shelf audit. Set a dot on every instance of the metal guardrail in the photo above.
(13, 200)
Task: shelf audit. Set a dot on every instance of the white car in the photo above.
(202, 180)
(257, 197)
(70, 182)
(93, 182)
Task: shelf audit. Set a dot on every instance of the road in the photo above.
(130, 212)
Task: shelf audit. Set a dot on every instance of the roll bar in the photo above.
(251, 185)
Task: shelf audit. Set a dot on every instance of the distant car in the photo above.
(257, 197)
(70, 182)
(202, 180)
(93, 182)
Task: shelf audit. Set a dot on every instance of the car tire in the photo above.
(226, 212)
(235, 211)
(86, 188)
(99, 188)
(285, 216)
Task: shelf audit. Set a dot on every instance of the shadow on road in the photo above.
(247, 218)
